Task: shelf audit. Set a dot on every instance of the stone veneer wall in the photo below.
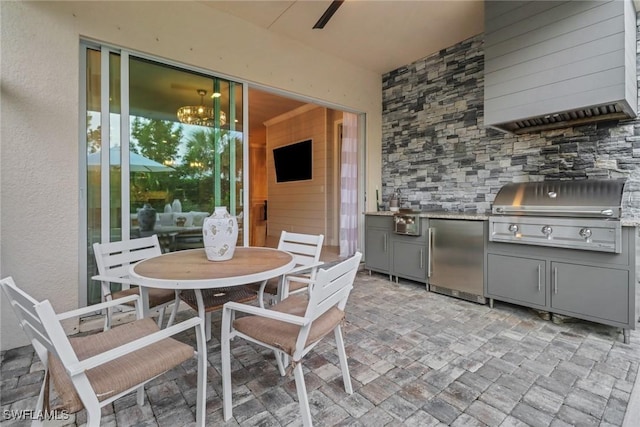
(437, 152)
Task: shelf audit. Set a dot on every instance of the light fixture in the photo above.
(201, 115)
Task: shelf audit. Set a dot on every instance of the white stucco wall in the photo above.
(39, 135)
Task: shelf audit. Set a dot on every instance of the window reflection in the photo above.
(180, 171)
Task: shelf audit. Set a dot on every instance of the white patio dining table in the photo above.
(190, 269)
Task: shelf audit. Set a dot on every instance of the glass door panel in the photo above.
(184, 142)
(103, 185)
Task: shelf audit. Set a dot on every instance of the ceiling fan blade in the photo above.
(335, 4)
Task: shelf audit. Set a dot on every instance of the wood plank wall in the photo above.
(299, 206)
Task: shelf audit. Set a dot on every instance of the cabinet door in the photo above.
(519, 280)
(409, 261)
(377, 249)
(597, 292)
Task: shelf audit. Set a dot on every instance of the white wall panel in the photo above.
(40, 68)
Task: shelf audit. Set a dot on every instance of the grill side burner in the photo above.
(580, 215)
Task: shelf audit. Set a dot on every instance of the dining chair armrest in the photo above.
(132, 346)
(300, 279)
(271, 314)
(96, 307)
(113, 279)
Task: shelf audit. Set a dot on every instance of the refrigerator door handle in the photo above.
(430, 250)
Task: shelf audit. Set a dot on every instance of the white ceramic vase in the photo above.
(219, 234)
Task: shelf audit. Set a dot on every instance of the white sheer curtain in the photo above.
(349, 185)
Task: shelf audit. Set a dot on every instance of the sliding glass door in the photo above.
(164, 146)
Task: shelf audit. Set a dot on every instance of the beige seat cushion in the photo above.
(283, 335)
(124, 372)
(156, 296)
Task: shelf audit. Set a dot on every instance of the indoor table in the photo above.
(190, 269)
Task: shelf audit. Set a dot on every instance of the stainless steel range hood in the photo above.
(553, 64)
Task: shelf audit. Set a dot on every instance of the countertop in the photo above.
(630, 222)
(439, 215)
(625, 222)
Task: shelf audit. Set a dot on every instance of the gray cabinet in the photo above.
(595, 286)
(599, 292)
(409, 254)
(518, 280)
(395, 254)
(409, 259)
(377, 243)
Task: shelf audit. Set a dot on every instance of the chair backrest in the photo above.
(114, 258)
(39, 322)
(332, 287)
(305, 248)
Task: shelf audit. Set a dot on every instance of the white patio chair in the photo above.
(293, 327)
(113, 260)
(92, 371)
(306, 249)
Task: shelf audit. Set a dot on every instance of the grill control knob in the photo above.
(547, 230)
(513, 228)
(585, 233)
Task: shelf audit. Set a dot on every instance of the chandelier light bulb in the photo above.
(201, 115)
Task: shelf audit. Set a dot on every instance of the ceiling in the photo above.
(378, 35)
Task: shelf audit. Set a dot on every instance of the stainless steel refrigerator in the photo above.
(456, 258)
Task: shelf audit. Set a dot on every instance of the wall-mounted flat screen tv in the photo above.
(293, 162)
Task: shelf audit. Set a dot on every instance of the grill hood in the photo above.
(593, 198)
(556, 64)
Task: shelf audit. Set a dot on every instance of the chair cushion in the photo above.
(283, 335)
(124, 372)
(214, 299)
(156, 296)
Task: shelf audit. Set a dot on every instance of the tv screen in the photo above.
(293, 162)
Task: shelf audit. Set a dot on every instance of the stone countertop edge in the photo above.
(625, 222)
(439, 215)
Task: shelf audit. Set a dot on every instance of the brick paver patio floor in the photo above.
(416, 358)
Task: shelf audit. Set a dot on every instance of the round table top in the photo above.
(191, 269)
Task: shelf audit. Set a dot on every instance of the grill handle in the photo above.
(556, 211)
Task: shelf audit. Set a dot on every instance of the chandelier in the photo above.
(201, 115)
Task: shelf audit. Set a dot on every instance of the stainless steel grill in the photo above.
(567, 214)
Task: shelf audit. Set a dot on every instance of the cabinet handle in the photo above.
(385, 242)
(555, 280)
(539, 277)
(429, 235)
(421, 256)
